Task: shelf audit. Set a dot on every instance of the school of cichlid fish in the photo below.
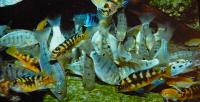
(134, 59)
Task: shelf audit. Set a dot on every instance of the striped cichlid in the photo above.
(29, 84)
(69, 44)
(27, 61)
(183, 94)
(140, 79)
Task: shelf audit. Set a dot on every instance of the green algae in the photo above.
(101, 93)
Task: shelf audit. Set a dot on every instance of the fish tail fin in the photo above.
(168, 32)
(43, 35)
(11, 51)
(55, 21)
(146, 18)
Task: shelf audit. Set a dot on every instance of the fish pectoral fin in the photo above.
(176, 87)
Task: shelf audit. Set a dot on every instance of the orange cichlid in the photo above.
(180, 82)
(183, 94)
(26, 60)
(142, 78)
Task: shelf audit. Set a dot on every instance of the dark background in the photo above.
(28, 13)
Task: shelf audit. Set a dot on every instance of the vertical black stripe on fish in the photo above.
(183, 94)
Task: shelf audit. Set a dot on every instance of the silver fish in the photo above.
(105, 68)
(19, 38)
(11, 72)
(163, 54)
(57, 37)
(88, 72)
(121, 26)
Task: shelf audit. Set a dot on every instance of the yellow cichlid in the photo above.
(29, 84)
(193, 42)
(27, 61)
(69, 44)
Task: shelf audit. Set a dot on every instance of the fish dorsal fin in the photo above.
(43, 35)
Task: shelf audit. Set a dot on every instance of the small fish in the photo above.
(163, 54)
(180, 66)
(4, 3)
(193, 42)
(11, 71)
(183, 94)
(108, 9)
(41, 25)
(68, 44)
(121, 26)
(140, 79)
(19, 38)
(27, 61)
(29, 84)
(87, 20)
(180, 82)
(144, 30)
(97, 42)
(57, 37)
(59, 86)
(105, 68)
(44, 55)
(184, 55)
(88, 72)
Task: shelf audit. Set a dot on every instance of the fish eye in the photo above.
(106, 5)
(173, 67)
(9, 65)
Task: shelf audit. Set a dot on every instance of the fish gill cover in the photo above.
(99, 50)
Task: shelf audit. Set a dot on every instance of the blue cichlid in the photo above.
(105, 68)
(19, 38)
(12, 71)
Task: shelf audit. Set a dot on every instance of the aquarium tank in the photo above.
(99, 51)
